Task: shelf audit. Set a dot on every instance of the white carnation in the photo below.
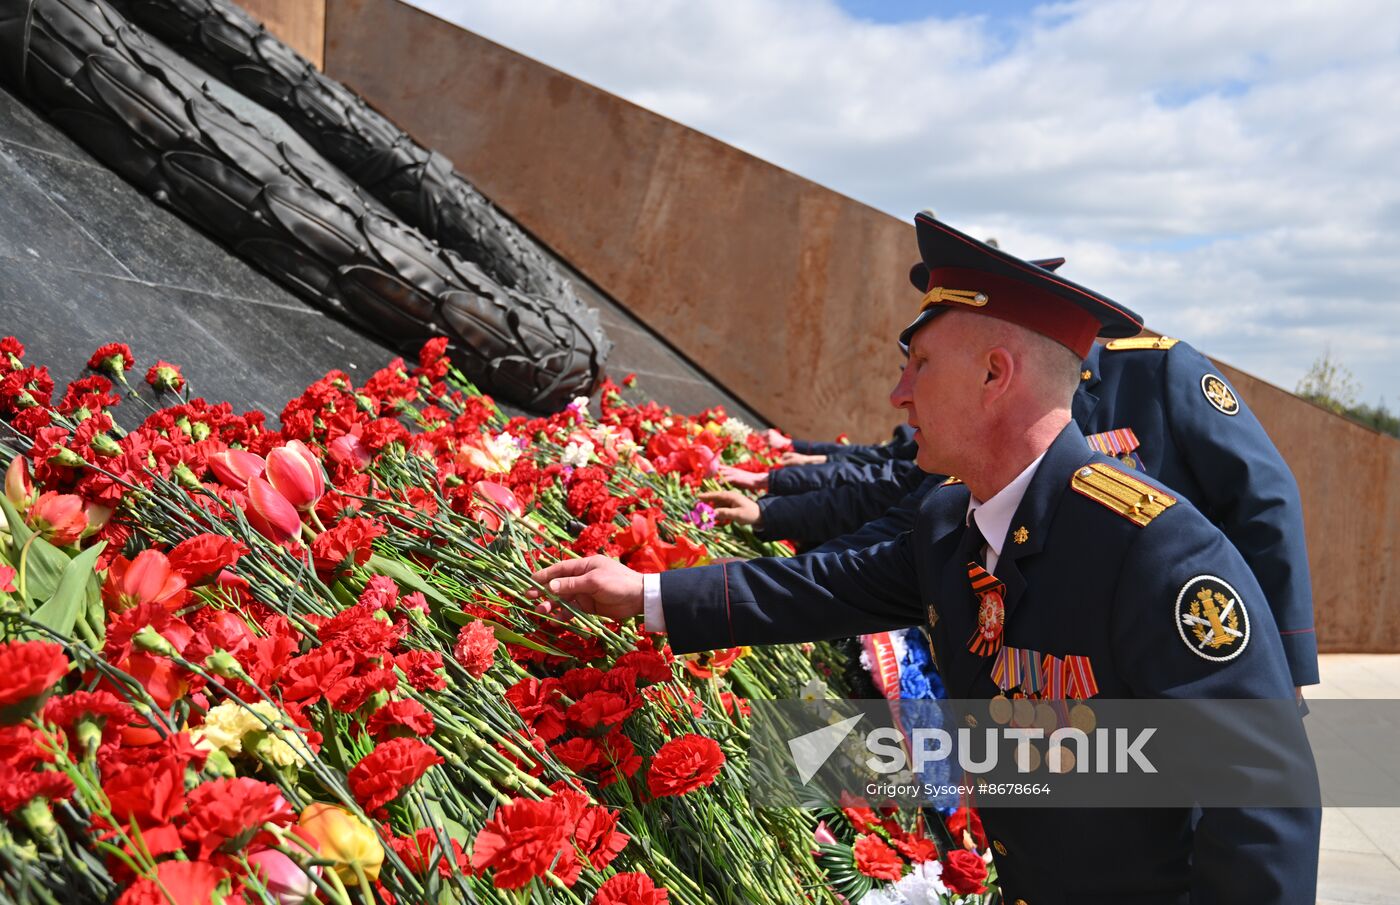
(576, 453)
(735, 429)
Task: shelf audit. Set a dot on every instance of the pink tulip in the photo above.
(503, 497)
(58, 517)
(284, 879)
(18, 488)
(235, 467)
(296, 473)
(270, 514)
(822, 834)
(348, 449)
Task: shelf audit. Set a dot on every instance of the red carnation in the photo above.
(114, 358)
(422, 668)
(876, 859)
(684, 764)
(186, 882)
(476, 647)
(597, 836)
(89, 711)
(400, 718)
(520, 841)
(631, 889)
(650, 666)
(389, 769)
(965, 828)
(601, 708)
(165, 376)
(964, 872)
(200, 558)
(348, 543)
(537, 702)
(231, 811)
(28, 669)
(18, 788)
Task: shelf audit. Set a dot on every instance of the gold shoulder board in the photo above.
(1142, 342)
(1135, 500)
(951, 480)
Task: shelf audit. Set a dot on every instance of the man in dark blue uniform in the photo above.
(1157, 405)
(1043, 545)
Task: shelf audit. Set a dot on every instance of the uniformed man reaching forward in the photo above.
(1092, 564)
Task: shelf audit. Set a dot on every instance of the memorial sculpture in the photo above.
(416, 183)
(124, 98)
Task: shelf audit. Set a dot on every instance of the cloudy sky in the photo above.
(1231, 170)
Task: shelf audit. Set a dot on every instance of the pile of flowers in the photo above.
(243, 664)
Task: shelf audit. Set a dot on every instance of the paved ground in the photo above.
(1360, 846)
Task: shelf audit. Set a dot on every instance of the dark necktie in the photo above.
(987, 592)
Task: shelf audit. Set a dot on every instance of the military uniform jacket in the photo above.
(901, 445)
(1161, 407)
(805, 478)
(1086, 579)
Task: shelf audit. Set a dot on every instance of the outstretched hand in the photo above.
(797, 458)
(594, 584)
(777, 439)
(732, 507)
(744, 480)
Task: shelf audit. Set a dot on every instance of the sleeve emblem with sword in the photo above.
(1211, 618)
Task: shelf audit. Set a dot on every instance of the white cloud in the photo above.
(1230, 170)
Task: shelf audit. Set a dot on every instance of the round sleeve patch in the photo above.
(1219, 394)
(1211, 619)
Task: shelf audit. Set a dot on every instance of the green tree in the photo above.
(1330, 384)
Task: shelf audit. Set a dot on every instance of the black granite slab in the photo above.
(34, 228)
(252, 354)
(153, 244)
(20, 125)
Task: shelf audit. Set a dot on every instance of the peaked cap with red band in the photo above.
(958, 272)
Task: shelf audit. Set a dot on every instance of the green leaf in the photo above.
(44, 566)
(18, 529)
(61, 611)
(407, 577)
(96, 612)
(344, 595)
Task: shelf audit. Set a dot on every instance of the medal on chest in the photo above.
(990, 595)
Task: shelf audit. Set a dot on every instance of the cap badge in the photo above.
(970, 297)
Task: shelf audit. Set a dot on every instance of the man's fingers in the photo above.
(573, 588)
(565, 568)
(717, 498)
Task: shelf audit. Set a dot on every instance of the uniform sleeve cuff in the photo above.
(651, 603)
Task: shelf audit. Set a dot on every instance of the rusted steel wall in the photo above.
(1350, 481)
(300, 23)
(785, 292)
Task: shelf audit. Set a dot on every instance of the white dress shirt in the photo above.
(994, 516)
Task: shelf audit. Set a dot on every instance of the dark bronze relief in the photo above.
(513, 322)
